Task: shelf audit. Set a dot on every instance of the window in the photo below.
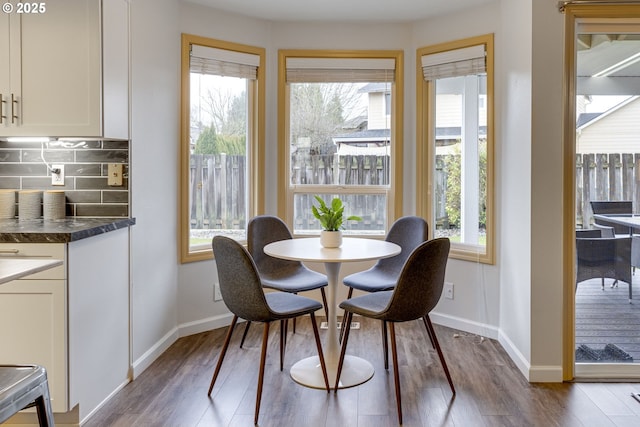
(222, 134)
(455, 147)
(338, 136)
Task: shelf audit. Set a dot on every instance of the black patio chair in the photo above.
(601, 258)
(614, 208)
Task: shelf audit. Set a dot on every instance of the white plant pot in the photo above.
(331, 239)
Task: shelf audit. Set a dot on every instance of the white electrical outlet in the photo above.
(448, 290)
(57, 175)
(217, 296)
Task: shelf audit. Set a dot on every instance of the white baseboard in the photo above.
(205, 325)
(465, 325)
(101, 404)
(144, 361)
(532, 373)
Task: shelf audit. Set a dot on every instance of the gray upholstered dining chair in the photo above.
(279, 274)
(418, 290)
(242, 293)
(407, 232)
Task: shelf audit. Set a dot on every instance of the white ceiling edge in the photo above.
(382, 11)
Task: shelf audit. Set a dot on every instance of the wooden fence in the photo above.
(218, 199)
(605, 177)
(217, 184)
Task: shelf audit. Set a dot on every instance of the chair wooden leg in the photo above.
(344, 315)
(385, 344)
(440, 355)
(263, 359)
(347, 318)
(246, 330)
(282, 346)
(424, 320)
(323, 365)
(324, 303)
(225, 346)
(286, 330)
(396, 371)
(294, 321)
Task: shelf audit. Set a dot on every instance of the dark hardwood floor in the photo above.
(490, 390)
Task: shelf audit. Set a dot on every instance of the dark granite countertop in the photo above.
(58, 231)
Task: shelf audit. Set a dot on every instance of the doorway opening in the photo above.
(603, 51)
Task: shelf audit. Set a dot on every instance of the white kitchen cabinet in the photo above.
(99, 360)
(64, 72)
(73, 319)
(34, 321)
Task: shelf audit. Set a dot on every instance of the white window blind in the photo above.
(454, 63)
(340, 70)
(222, 62)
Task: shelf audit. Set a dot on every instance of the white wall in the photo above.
(155, 44)
(476, 304)
(513, 123)
(518, 299)
(196, 309)
(475, 307)
(546, 192)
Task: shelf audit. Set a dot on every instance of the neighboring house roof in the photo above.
(359, 122)
(371, 135)
(585, 118)
(375, 87)
(582, 123)
(612, 131)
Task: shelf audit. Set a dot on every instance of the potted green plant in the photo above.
(331, 218)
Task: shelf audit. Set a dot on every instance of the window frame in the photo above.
(255, 143)
(394, 192)
(425, 154)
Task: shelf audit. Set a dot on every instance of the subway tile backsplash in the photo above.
(85, 173)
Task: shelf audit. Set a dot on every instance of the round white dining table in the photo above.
(355, 370)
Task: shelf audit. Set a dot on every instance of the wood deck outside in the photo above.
(606, 317)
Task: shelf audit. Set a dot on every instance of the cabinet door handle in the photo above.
(14, 107)
(9, 251)
(2, 116)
